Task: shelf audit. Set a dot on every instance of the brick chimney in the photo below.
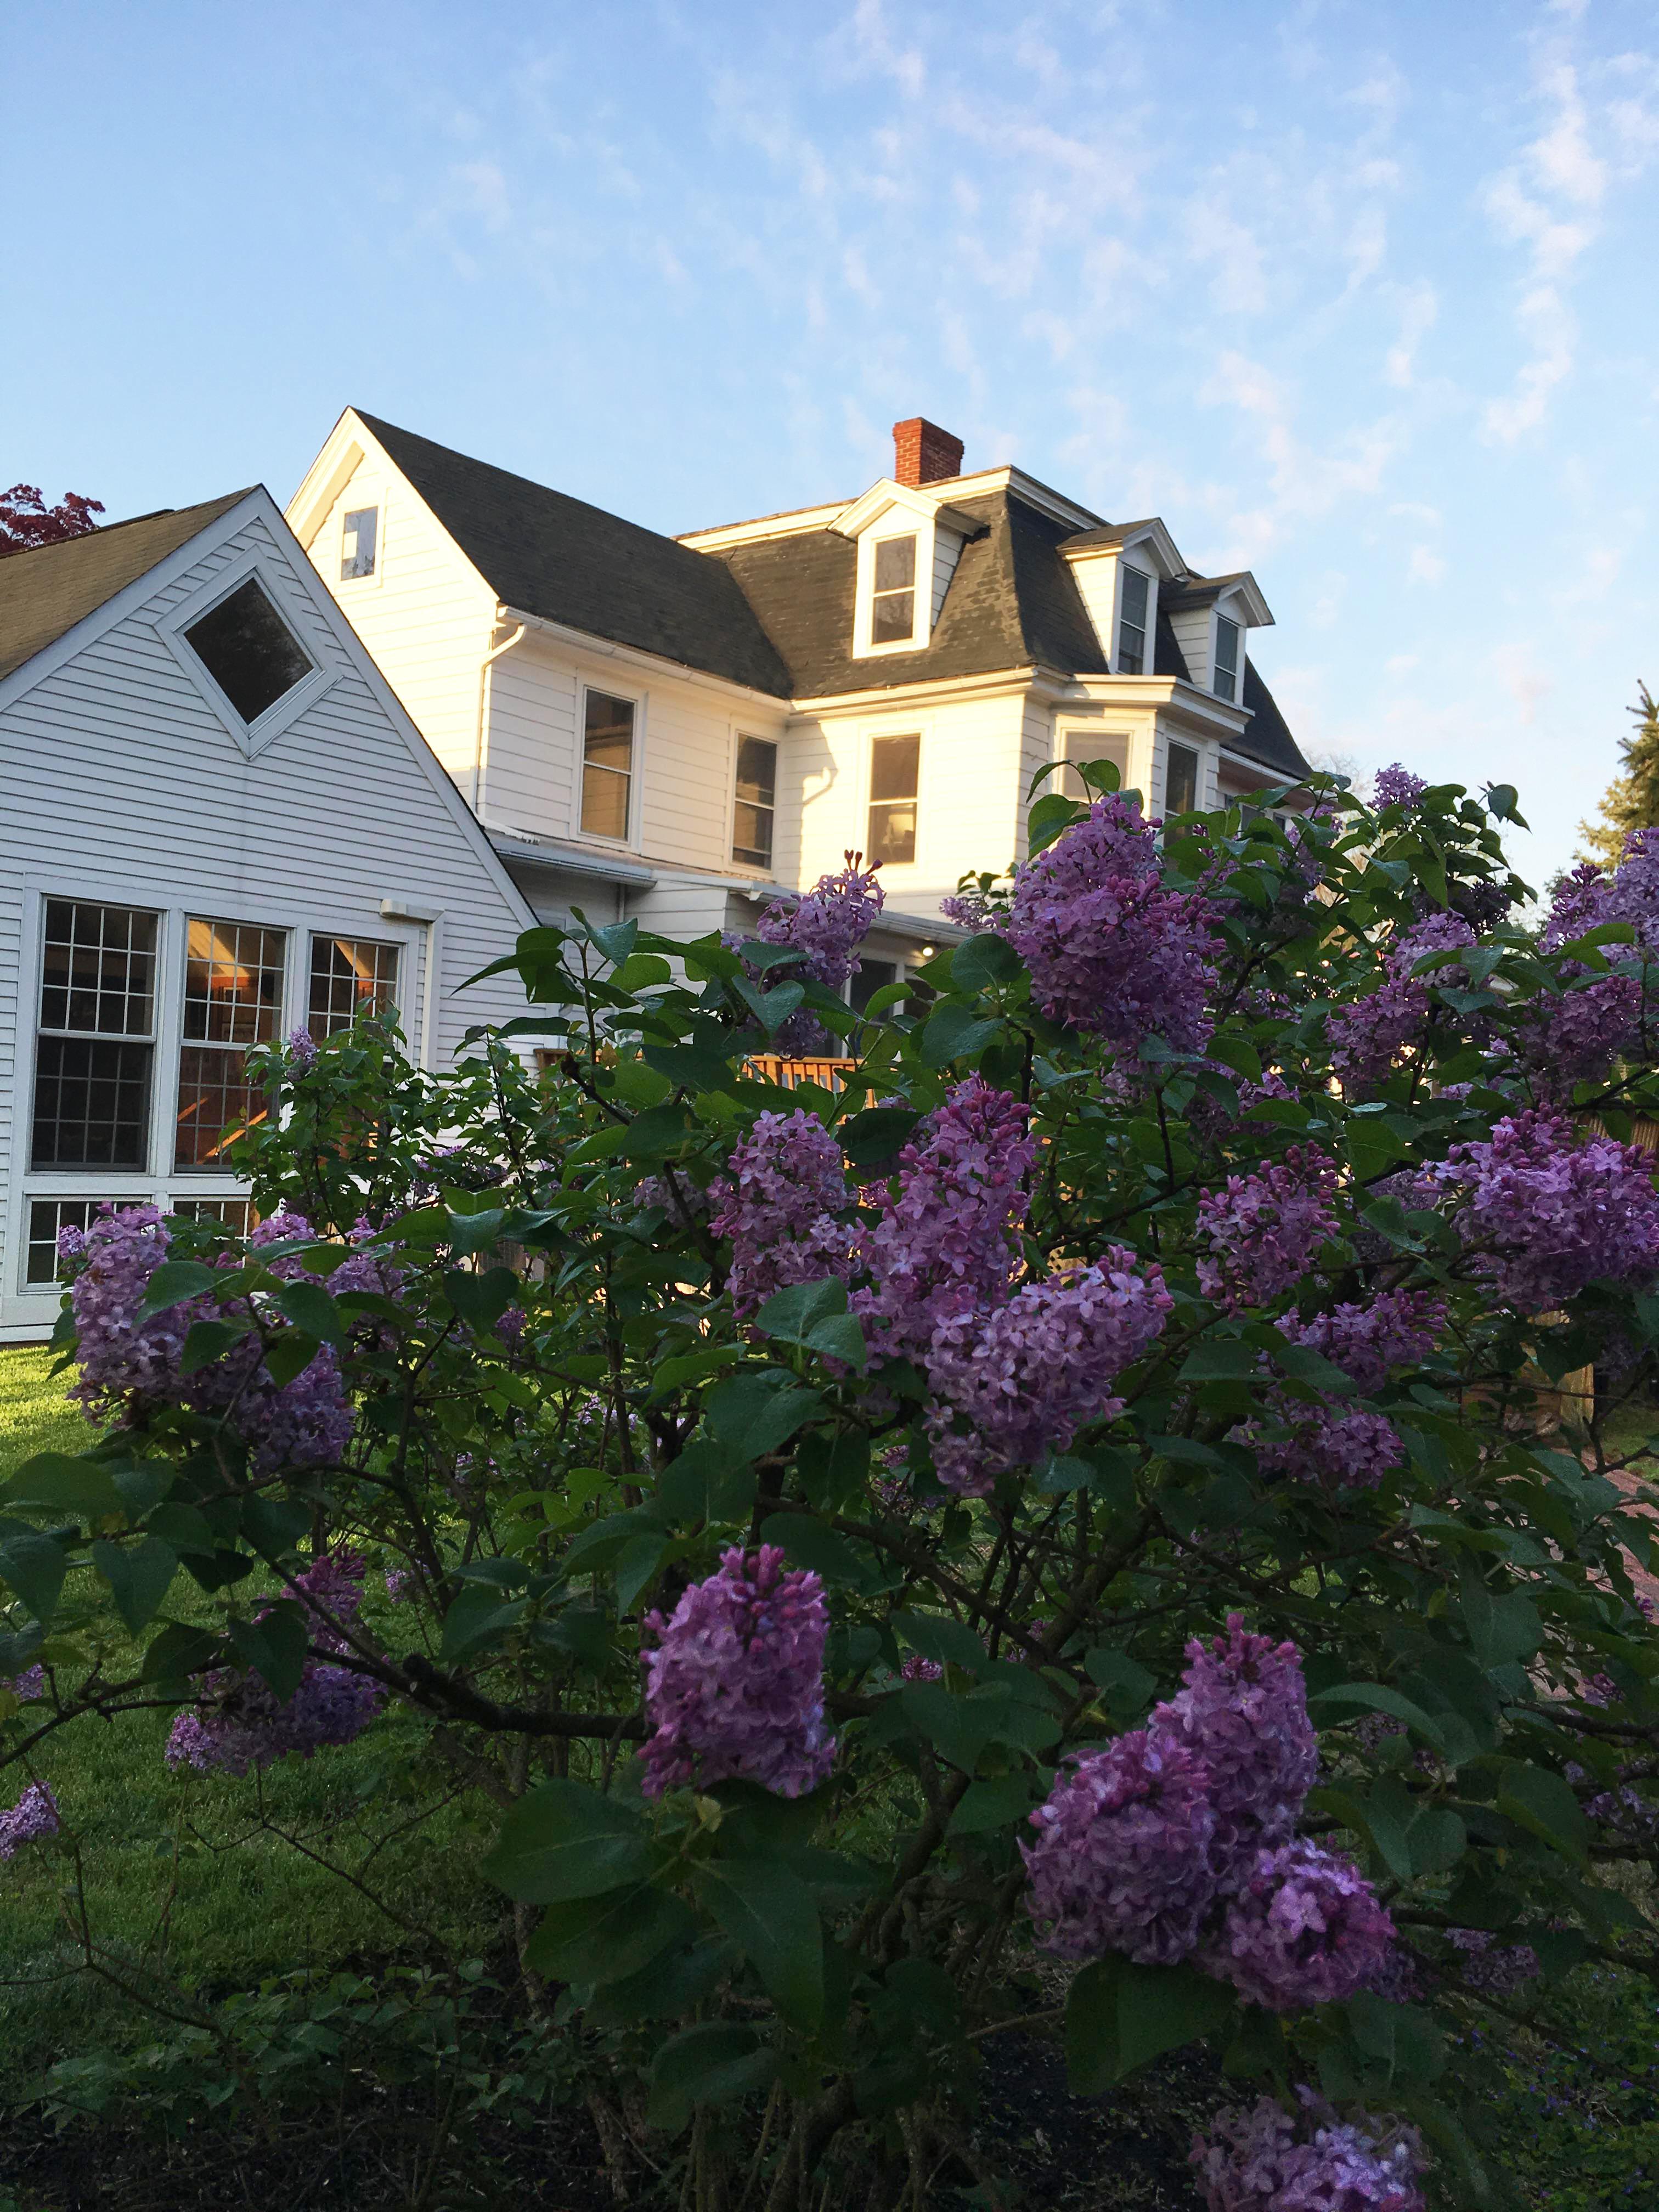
(922, 453)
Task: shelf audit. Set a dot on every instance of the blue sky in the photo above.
(1362, 296)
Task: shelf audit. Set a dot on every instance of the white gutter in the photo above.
(482, 743)
(571, 859)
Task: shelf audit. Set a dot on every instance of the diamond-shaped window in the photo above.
(249, 651)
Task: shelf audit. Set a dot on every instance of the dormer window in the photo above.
(1132, 622)
(249, 651)
(893, 593)
(1225, 685)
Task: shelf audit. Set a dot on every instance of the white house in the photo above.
(219, 825)
(678, 728)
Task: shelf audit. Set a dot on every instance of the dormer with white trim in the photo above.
(909, 541)
(1120, 570)
(1209, 616)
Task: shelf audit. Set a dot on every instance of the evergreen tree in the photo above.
(1630, 801)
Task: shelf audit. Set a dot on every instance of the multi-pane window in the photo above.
(756, 797)
(1133, 603)
(607, 764)
(349, 975)
(96, 1042)
(895, 766)
(46, 1216)
(1226, 658)
(248, 650)
(1181, 780)
(357, 543)
(234, 1214)
(232, 998)
(869, 977)
(893, 592)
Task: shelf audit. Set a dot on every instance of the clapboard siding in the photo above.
(970, 797)
(124, 786)
(425, 615)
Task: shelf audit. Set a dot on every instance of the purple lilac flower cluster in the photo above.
(1177, 1840)
(735, 1686)
(1395, 786)
(1263, 1230)
(1489, 1967)
(1342, 1446)
(780, 1208)
(1025, 1376)
(942, 1244)
(29, 1687)
(1367, 1034)
(1263, 2160)
(971, 910)
(1577, 1036)
(302, 1052)
(1111, 950)
(240, 1724)
(1546, 1215)
(34, 1816)
(128, 1364)
(828, 926)
(918, 1669)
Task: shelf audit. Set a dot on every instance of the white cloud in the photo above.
(1217, 238)
(1417, 319)
(481, 190)
(1427, 566)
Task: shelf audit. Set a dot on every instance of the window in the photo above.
(1181, 780)
(1131, 622)
(349, 975)
(46, 1216)
(234, 1214)
(894, 765)
(357, 540)
(869, 977)
(893, 597)
(248, 650)
(96, 1042)
(1226, 658)
(607, 764)
(232, 998)
(1088, 747)
(758, 790)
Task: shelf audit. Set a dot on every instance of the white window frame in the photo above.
(767, 874)
(1149, 651)
(253, 737)
(356, 585)
(1201, 773)
(29, 1308)
(912, 725)
(629, 842)
(1229, 698)
(1071, 739)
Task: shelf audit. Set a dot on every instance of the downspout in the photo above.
(480, 745)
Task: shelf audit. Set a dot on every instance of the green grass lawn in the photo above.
(208, 1878)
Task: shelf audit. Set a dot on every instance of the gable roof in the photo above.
(46, 591)
(543, 553)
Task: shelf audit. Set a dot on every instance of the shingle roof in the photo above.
(45, 592)
(543, 553)
(1266, 735)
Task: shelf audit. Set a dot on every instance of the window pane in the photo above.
(869, 977)
(893, 832)
(896, 564)
(216, 1103)
(349, 975)
(357, 545)
(249, 651)
(91, 1104)
(1131, 650)
(1226, 657)
(608, 732)
(1135, 595)
(235, 1214)
(46, 1216)
(1181, 780)
(758, 770)
(604, 803)
(1085, 747)
(893, 765)
(99, 971)
(752, 835)
(893, 618)
(234, 983)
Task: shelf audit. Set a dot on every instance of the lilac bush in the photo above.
(34, 1815)
(1302, 1927)
(1243, 1711)
(1263, 1232)
(780, 1205)
(1546, 1214)
(1263, 2159)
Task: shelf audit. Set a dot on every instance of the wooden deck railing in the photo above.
(789, 1074)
